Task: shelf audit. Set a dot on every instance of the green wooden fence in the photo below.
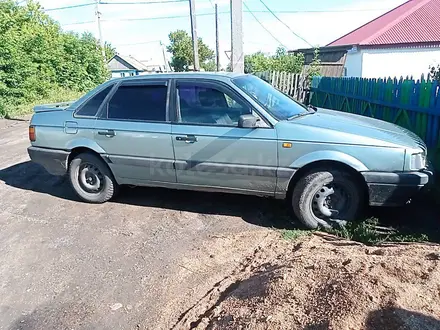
(412, 104)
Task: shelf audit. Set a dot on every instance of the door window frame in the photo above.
(102, 113)
(76, 115)
(208, 83)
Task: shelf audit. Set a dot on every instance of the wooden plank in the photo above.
(285, 88)
(289, 83)
(432, 142)
(296, 86)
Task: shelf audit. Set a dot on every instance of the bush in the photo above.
(38, 59)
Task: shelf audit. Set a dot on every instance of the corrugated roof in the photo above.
(415, 21)
(134, 63)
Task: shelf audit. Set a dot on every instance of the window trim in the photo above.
(103, 111)
(82, 105)
(221, 86)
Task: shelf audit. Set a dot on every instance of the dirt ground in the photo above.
(321, 282)
(162, 259)
(133, 263)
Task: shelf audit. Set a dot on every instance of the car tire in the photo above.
(310, 196)
(92, 179)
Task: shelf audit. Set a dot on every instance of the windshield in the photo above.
(278, 104)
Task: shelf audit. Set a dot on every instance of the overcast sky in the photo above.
(317, 21)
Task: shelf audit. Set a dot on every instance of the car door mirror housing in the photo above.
(247, 121)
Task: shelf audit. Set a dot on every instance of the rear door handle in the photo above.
(187, 139)
(107, 133)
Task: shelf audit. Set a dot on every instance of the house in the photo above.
(402, 42)
(124, 66)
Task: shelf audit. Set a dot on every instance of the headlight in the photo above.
(418, 161)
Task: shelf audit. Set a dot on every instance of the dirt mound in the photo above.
(322, 282)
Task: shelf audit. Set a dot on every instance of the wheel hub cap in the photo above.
(90, 178)
(329, 201)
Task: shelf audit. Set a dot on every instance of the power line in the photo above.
(153, 18)
(210, 14)
(244, 3)
(138, 43)
(293, 32)
(70, 7)
(111, 3)
(142, 2)
(79, 23)
(318, 11)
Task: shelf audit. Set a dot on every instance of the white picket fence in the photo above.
(293, 84)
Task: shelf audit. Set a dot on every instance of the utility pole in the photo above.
(195, 42)
(217, 43)
(237, 62)
(165, 61)
(98, 19)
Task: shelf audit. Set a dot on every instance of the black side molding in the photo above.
(398, 178)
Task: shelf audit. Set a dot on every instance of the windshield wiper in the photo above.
(300, 115)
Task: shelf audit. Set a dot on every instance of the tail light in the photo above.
(32, 135)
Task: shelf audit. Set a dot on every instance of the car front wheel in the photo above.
(91, 178)
(323, 198)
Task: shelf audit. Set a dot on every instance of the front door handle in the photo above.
(187, 139)
(107, 133)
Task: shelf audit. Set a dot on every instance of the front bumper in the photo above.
(396, 188)
(54, 161)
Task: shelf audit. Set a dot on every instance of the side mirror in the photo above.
(247, 121)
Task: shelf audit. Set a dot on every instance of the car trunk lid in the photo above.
(52, 107)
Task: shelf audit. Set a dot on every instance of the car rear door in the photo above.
(135, 131)
(210, 149)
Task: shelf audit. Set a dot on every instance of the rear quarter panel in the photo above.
(51, 130)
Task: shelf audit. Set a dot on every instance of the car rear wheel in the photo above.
(91, 178)
(323, 198)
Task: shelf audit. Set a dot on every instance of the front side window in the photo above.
(139, 102)
(281, 106)
(91, 107)
(201, 104)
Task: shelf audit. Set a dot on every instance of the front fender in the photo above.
(329, 155)
(84, 143)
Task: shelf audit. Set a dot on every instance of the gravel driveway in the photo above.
(135, 263)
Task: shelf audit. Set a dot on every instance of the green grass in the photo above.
(369, 232)
(10, 111)
(293, 234)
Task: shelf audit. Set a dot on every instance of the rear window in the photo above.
(91, 107)
(147, 103)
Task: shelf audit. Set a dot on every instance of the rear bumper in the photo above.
(395, 189)
(54, 161)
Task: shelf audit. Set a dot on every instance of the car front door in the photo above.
(134, 130)
(211, 150)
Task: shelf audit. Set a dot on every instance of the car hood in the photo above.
(340, 127)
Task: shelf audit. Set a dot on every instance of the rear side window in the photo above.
(146, 102)
(91, 107)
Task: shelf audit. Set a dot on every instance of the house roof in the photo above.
(413, 22)
(130, 61)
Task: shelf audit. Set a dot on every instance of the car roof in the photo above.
(192, 75)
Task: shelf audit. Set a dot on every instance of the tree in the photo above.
(314, 69)
(257, 62)
(281, 61)
(37, 57)
(435, 72)
(182, 52)
(109, 50)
